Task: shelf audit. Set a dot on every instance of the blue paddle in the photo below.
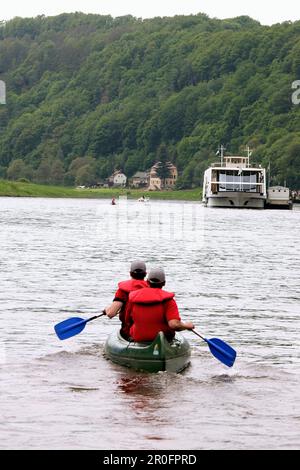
(73, 326)
(220, 350)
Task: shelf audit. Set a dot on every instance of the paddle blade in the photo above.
(222, 351)
(71, 327)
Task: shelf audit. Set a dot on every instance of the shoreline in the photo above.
(22, 189)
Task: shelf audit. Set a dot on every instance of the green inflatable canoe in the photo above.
(160, 355)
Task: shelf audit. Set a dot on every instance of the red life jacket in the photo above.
(147, 310)
(127, 287)
(132, 285)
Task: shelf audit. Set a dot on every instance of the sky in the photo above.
(262, 10)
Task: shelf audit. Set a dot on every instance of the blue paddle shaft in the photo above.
(81, 322)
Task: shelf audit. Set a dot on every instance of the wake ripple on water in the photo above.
(236, 277)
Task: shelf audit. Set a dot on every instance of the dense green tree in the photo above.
(132, 164)
(86, 175)
(163, 163)
(79, 162)
(57, 172)
(3, 172)
(18, 169)
(43, 173)
(89, 93)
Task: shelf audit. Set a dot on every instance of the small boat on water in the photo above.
(160, 355)
(279, 197)
(144, 199)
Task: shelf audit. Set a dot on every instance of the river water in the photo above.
(236, 276)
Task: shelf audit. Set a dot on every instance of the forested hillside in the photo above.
(89, 93)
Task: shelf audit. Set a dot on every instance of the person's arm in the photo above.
(113, 309)
(178, 325)
(173, 318)
(119, 300)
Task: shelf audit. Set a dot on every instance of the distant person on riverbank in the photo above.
(152, 309)
(113, 201)
(138, 272)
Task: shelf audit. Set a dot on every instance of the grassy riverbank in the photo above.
(20, 189)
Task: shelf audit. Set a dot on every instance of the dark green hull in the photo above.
(160, 355)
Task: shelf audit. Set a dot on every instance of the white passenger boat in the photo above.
(235, 183)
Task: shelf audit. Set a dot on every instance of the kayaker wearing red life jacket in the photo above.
(152, 309)
(137, 273)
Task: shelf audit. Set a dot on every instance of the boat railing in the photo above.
(235, 183)
(231, 165)
(232, 186)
